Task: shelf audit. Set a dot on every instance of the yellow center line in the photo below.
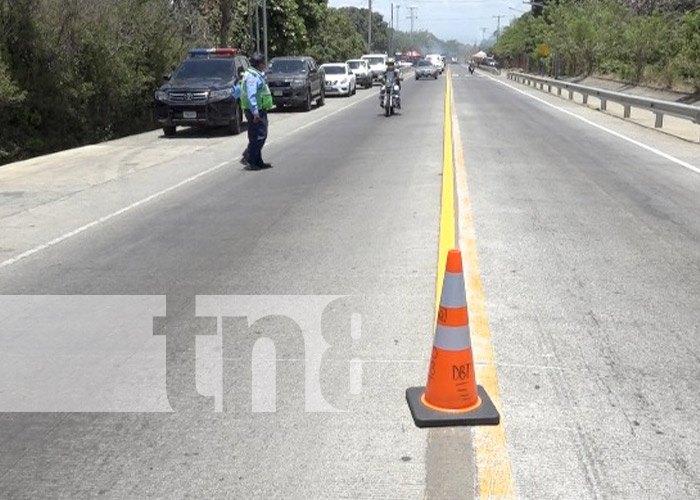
(495, 479)
(448, 239)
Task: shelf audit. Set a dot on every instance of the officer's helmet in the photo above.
(258, 59)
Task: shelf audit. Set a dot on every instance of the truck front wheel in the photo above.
(236, 123)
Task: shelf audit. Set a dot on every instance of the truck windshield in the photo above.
(287, 66)
(372, 61)
(222, 69)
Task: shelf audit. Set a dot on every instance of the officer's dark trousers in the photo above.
(257, 135)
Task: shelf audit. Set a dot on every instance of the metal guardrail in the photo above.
(657, 106)
(490, 69)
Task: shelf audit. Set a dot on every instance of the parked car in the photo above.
(200, 91)
(426, 69)
(296, 82)
(340, 80)
(377, 65)
(363, 76)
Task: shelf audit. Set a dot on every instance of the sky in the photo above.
(461, 20)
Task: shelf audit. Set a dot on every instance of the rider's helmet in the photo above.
(390, 64)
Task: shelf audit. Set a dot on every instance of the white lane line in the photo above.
(658, 152)
(152, 197)
(337, 111)
(101, 220)
(314, 122)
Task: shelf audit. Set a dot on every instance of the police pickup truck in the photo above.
(199, 92)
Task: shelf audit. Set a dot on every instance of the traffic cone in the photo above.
(451, 397)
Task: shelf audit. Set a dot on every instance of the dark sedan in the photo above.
(425, 69)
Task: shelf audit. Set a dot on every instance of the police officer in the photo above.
(256, 101)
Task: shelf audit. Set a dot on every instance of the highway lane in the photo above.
(351, 209)
(590, 260)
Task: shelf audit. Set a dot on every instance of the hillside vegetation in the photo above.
(655, 43)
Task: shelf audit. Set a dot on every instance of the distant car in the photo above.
(340, 80)
(436, 60)
(490, 61)
(296, 81)
(363, 75)
(426, 69)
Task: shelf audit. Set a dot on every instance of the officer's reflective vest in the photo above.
(264, 96)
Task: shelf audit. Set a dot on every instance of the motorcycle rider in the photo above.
(392, 78)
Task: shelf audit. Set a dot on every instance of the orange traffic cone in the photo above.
(451, 396)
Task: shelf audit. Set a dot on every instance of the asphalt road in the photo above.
(350, 210)
(137, 276)
(589, 251)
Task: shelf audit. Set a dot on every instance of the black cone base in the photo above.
(485, 414)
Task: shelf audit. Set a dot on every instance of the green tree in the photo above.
(337, 40)
(689, 58)
(86, 70)
(582, 32)
(287, 34)
(380, 29)
(645, 40)
(519, 43)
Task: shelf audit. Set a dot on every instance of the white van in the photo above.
(437, 61)
(377, 64)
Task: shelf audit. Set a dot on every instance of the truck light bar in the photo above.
(213, 52)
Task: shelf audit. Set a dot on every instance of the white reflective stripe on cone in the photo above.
(452, 338)
(453, 293)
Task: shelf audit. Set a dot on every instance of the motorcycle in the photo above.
(389, 97)
(471, 68)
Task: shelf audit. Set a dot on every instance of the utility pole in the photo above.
(498, 30)
(391, 45)
(264, 2)
(412, 17)
(398, 6)
(483, 34)
(369, 30)
(257, 25)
